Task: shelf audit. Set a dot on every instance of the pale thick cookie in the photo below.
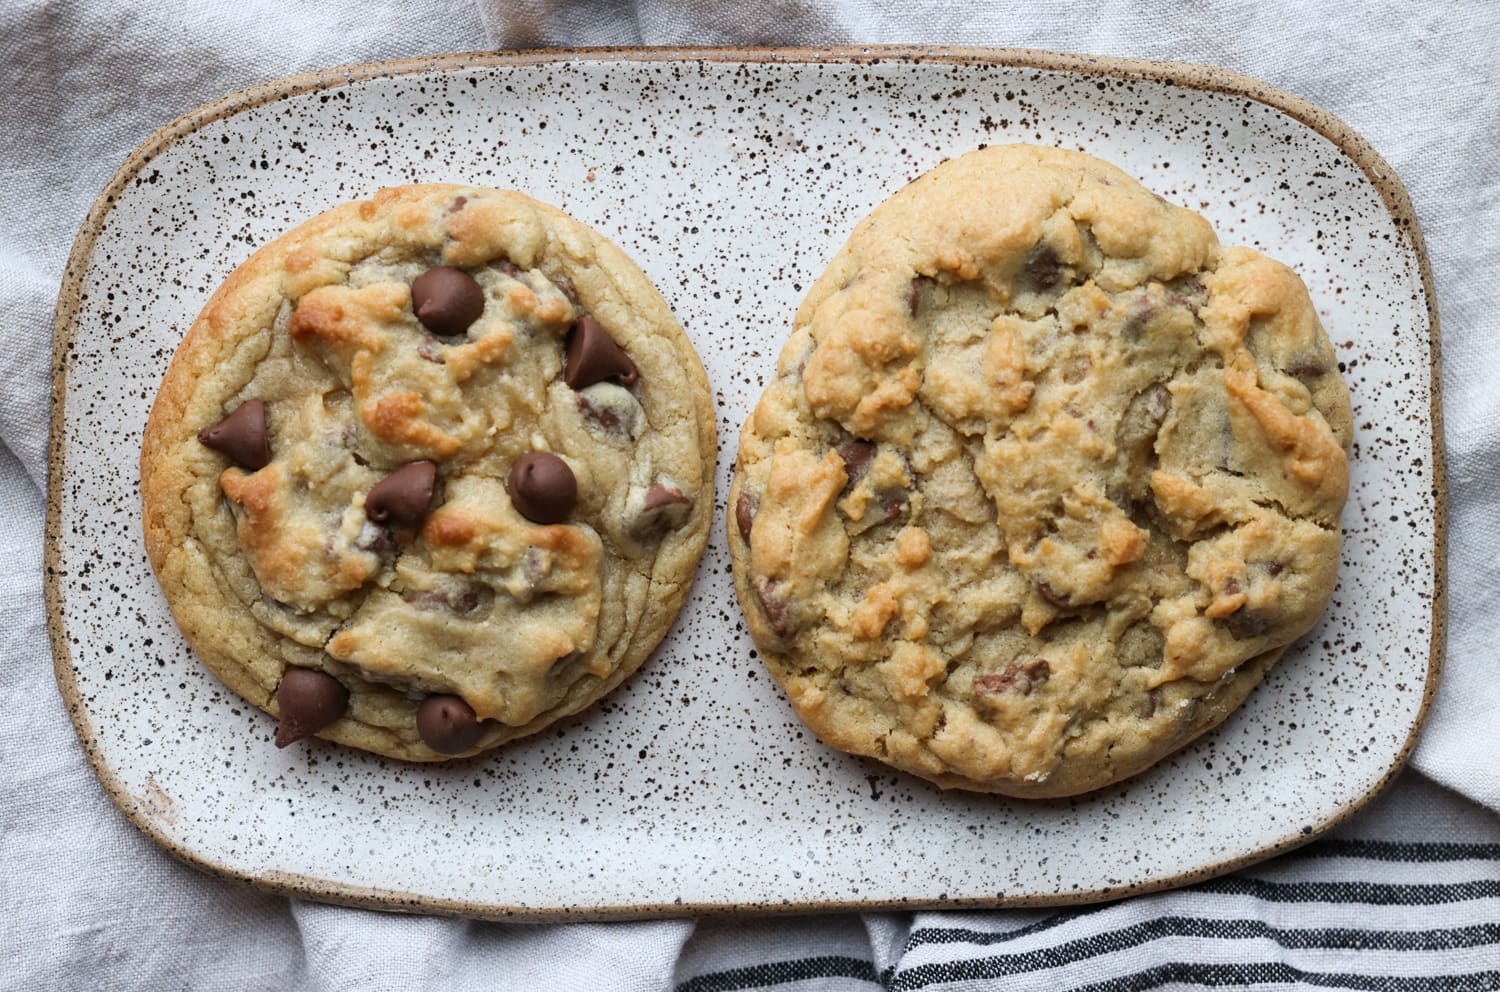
(1046, 480)
(429, 472)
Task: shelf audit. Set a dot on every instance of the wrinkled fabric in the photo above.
(89, 902)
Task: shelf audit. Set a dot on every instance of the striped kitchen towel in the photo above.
(1343, 914)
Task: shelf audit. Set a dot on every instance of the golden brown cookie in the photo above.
(429, 472)
(1045, 482)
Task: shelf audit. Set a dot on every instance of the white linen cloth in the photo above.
(1405, 894)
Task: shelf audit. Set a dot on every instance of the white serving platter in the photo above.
(731, 176)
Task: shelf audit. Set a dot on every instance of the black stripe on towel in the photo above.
(962, 935)
(1371, 893)
(1130, 937)
(780, 972)
(1207, 975)
(1126, 938)
(1384, 850)
(1368, 893)
(1295, 938)
(1241, 975)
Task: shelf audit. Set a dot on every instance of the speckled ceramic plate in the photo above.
(731, 176)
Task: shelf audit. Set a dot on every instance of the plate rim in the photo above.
(1190, 75)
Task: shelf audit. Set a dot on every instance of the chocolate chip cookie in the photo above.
(1046, 481)
(429, 472)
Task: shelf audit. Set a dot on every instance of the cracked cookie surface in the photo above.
(447, 449)
(1046, 480)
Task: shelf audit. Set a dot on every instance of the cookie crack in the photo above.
(1280, 509)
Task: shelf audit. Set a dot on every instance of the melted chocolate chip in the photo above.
(744, 514)
(457, 204)
(1138, 314)
(892, 506)
(242, 436)
(774, 605)
(1274, 568)
(1246, 623)
(468, 601)
(309, 700)
(1186, 292)
(1014, 678)
(659, 496)
(603, 416)
(1306, 368)
(381, 542)
(404, 496)
(542, 487)
(1043, 267)
(919, 285)
(857, 455)
(448, 725)
(1053, 596)
(609, 409)
(593, 357)
(664, 507)
(446, 300)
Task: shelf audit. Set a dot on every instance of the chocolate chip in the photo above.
(1043, 267)
(457, 204)
(593, 357)
(744, 514)
(448, 725)
(1014, 678)
(664, 507)
(659, 496)
(857, 455)
(887, 503)
(1246, 623)
(466, 601)
(380, 542)
(919, 285)
(1308, 367)
(404, 496)
(1138, 314)
(1186, 292)
(609, 409)
(1052, 596)
(542, 487)
(446, 300)
(774, 604)
(892, 506)
(242, 436)
(565, 286)
(607, 419)
(309, 700)
(469, 601)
